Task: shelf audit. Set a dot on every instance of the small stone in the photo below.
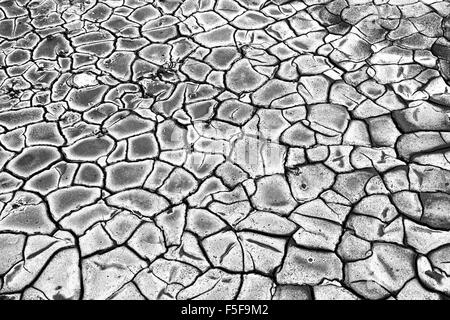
(303, 266)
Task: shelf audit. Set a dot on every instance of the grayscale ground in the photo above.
(229, 149)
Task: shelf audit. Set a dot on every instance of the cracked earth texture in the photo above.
(229, 149)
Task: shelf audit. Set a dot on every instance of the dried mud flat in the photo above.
(229, 149)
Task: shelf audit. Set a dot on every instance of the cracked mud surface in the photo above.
(229, 149)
